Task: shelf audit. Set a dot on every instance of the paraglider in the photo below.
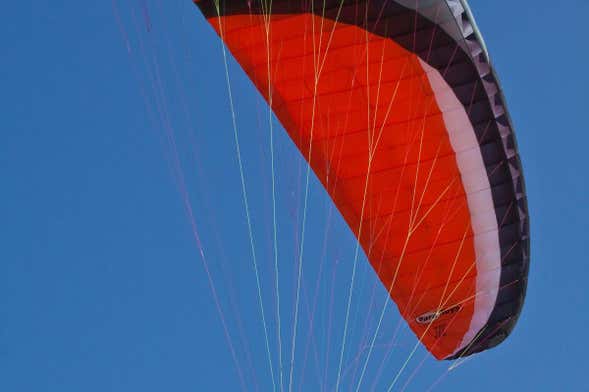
(398, 111)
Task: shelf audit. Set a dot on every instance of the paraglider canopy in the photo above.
(397, 109)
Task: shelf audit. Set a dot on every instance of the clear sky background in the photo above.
(114, 120)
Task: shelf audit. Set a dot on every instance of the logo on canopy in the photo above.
(432, 316)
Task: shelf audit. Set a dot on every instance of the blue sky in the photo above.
(102, 286)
